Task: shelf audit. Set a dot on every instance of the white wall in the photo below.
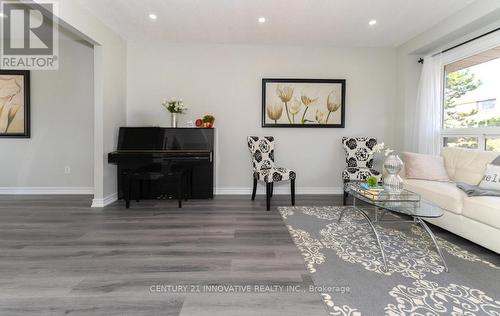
(110, 74)
(61, 129)
(225, 80)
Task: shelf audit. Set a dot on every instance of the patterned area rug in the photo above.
(347, 268)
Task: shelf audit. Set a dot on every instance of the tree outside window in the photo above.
(471, 101)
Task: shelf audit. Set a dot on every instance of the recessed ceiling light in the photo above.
(2, 15)
(152, 16)
(372, 22)
(262, 19)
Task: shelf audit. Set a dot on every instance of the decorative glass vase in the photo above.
(174, 119)
(392, 181)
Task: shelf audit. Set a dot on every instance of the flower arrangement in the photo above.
(174, 106)
(382, 148)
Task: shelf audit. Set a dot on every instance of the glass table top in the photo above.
(404, 202)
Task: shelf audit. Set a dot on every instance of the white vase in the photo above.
(392, 181)
(173, 119)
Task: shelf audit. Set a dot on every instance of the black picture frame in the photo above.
(26, 97)
(266, 81)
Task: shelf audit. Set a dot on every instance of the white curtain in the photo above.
(428, 114)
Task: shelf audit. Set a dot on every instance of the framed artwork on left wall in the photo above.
(15, 103)
(303, 103)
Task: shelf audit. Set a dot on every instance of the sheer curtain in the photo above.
(428, 114)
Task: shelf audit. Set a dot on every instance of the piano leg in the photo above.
(272, 189)
(292, 191)
(128, 189)
(254, 188)
(139, 196)
(268, 196)
(180, 184)
(188, 183)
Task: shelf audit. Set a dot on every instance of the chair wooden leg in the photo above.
(292, 191)
(268, 196)
(345, 198)
(254, 188)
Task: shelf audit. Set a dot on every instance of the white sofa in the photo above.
(474, 218)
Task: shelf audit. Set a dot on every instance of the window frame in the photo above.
(465, 51)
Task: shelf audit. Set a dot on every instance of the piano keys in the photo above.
(147, 148)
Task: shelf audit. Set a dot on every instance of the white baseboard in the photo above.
(240, 191)
(46, 190)
(105, 201)
(114, 196)
(281, 190)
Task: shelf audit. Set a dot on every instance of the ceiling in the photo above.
(289, 22)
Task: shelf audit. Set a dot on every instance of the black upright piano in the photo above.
(148, 147)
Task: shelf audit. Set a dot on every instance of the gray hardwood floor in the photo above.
(60, 257)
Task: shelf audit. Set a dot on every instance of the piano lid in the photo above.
(161, 138)
(141, 138)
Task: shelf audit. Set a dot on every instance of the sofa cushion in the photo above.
(484, 209)
(444, 194)
(466, 165)
(491, 179)
(424, 167)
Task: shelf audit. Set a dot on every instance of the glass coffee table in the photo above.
(401, 203)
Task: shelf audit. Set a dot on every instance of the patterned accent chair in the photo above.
(359, 159)
(264, 169)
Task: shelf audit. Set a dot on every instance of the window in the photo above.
(463, 142)
(493, 143)
(471, 117)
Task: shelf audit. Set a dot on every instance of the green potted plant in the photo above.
(372, 181)
(208, 121)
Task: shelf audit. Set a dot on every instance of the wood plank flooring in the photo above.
(60, 257)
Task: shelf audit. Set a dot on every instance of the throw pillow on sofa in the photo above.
(491, 179)
(425, 167)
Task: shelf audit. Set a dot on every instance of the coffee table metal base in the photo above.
(429, 232)
(360, 211)
(378, 220)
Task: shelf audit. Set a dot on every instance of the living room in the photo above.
(250, 157)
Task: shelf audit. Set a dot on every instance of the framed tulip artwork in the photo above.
(303, 103)
(15, 103)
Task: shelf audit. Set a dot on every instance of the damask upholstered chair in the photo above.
(264, 169)
(359, 159)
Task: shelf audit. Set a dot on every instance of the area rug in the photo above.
(347, 268)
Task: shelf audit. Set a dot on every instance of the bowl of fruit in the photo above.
(205, 122)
